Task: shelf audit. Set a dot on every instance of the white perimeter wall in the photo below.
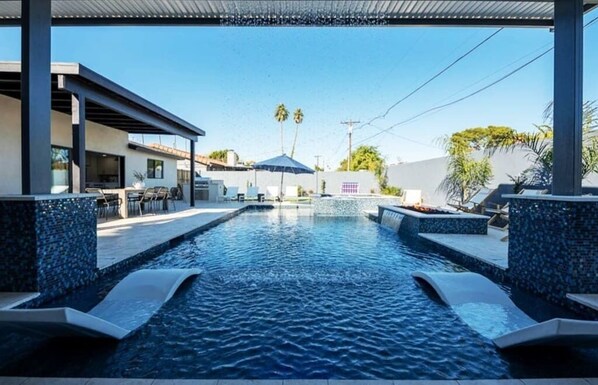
(99, 138)
(367, 180)
(427, 175)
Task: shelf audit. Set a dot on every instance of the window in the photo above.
(155, 169)
(61, 158)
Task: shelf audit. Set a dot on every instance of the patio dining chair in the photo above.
(146, 200)
(161, 198)
(105, 202)
(173, 196)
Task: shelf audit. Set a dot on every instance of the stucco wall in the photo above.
(99, 138)
(427, 175)
(367, 180)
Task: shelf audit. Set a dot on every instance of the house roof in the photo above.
(198, 158)
(107, 103)
(151, 150)
(295, 12)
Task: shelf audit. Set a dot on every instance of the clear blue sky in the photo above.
(228, 81)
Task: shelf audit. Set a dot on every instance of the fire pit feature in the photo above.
(426, 210)
(413, 220)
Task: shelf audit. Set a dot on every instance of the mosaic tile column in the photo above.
(48, 243)
(553, 245)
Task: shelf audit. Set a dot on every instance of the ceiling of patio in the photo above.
(295, 12)
(160, 121)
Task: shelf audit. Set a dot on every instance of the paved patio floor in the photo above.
(121, 239)
(488, 248)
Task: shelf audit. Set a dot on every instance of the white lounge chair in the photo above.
(128, 306)
(252, 192)
(291, 193)
(231, 193)
(411, 197)
(476, 200)
(272, 193)
(488, 310)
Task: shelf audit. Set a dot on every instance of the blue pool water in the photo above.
(288, 295)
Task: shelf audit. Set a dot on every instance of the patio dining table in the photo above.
(123, 194)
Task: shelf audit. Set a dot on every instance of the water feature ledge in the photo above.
(412, 223)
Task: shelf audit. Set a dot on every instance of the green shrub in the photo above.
(391, 190)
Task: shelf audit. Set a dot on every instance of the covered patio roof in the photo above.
(291, 12)
(107, 102)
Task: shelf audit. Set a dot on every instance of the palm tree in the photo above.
(298, 118)
(281, 114)
(540, 151)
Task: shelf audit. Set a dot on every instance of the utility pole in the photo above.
(317, 170)
(349, 125)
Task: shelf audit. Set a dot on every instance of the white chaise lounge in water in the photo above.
(487, 309)
(128, 306)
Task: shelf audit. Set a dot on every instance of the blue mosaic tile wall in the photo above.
(48, 246)
(412, 225)
(553, 247)
(348, 206)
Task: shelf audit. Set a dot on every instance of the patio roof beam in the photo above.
(78, 126)
(192, 174)
(35, 97)
(212, 22)
(568, 97)
(135, 112)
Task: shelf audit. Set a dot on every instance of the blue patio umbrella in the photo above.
(283, 163)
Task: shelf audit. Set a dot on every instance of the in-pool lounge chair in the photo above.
(489, 311)
(128, 306)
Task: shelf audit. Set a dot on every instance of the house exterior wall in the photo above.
(99, 138)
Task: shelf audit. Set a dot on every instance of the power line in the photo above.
(438, 74)
(442, 106)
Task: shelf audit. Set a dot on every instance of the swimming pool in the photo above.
(288, 295)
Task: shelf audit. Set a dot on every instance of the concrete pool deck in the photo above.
(119, 240)
(134, 381)
(487, 248)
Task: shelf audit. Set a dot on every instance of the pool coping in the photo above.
(153, 381)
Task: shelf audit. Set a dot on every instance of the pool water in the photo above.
(284, 294)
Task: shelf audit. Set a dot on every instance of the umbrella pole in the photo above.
(280, 193)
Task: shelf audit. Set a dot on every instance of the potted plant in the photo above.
(139, 179)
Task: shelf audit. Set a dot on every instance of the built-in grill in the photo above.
(207, 189)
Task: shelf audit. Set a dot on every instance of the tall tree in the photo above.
(465, 175)
(539, 146)
(221, 155)
(298, 118)
(365, 158)
(281, 114)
